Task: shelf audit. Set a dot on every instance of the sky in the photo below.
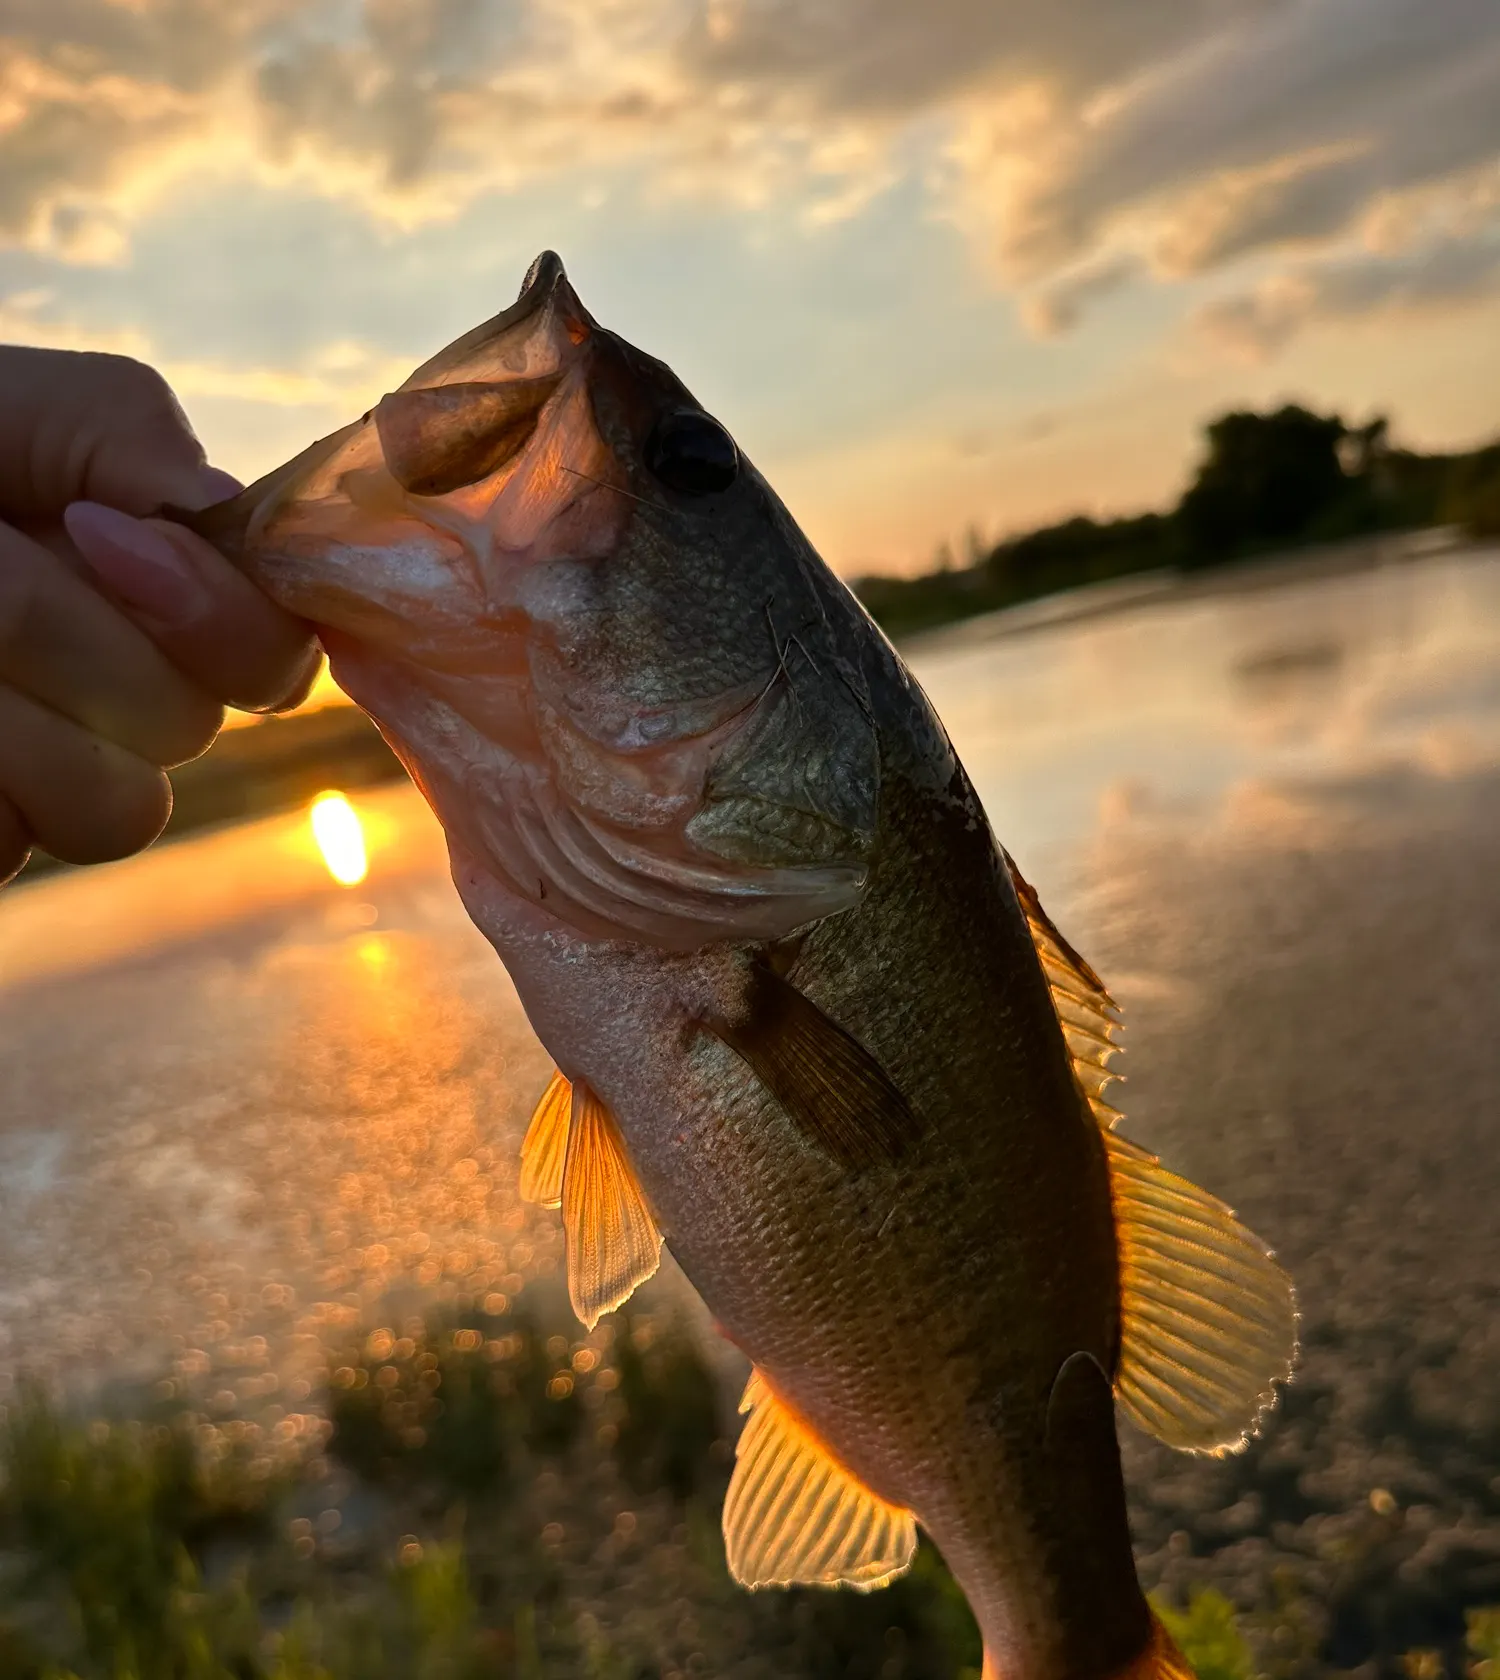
(942, 266)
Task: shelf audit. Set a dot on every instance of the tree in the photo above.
(1472, 493)
(1266, 479)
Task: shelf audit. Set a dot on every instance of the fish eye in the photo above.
(692, 454)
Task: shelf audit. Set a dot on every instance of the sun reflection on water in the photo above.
(341, 838)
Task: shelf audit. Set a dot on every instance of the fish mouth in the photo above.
(462, 416)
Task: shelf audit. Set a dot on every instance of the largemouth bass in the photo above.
(812, 1027)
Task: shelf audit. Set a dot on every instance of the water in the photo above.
(241, 1103)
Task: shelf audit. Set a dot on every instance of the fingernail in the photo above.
(138, 563)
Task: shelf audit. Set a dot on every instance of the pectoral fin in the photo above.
(1208, 1319)
(612, 1239)
(833, 1089)
(545, 1148)
(794, 1516)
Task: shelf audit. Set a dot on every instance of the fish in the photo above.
(812, 1027)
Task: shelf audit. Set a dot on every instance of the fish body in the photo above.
(810, 1023)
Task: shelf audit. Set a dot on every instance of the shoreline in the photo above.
(1242, 577)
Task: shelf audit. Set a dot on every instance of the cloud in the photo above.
(1079, 142)
(1290, 120)
(1058, 307)
(892, 58)
(1253, 326)
(96, 96)
(1086, 137)
(410, 107)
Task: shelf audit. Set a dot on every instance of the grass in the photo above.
(1208, 1634)
(452, 1521)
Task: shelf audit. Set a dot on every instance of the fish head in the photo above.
(621, 675)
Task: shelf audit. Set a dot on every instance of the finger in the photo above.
(15, 842)
(208, 618)
(78, 425)
(83, 799)
(65, 645)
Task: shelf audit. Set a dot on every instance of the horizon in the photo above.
(974, 272)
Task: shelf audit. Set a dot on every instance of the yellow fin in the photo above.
(613, 1242)
(1208, 1319)
(545, 1148)
(794, 1516)
(1090, 1017)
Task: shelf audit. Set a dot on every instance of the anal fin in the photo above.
(612, 1238)
(833, 1089)
(1208, 1319)
(794, 1516)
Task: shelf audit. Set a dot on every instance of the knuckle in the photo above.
(126, 377)
(139, 395)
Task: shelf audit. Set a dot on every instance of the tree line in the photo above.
(1266, 482)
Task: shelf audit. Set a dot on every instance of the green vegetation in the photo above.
(1208, 1635)
(1267, 482)
(1484, 1643)
(483, 1496)
(446, 1520)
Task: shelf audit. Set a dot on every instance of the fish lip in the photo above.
(545, 279)
(543, 275)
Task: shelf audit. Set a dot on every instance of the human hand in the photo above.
(122, 637)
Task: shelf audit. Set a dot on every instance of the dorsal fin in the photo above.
(613, 1241)
(794, 1516)
(1208, 1320)
(545, 1148)
(1090, 1017)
